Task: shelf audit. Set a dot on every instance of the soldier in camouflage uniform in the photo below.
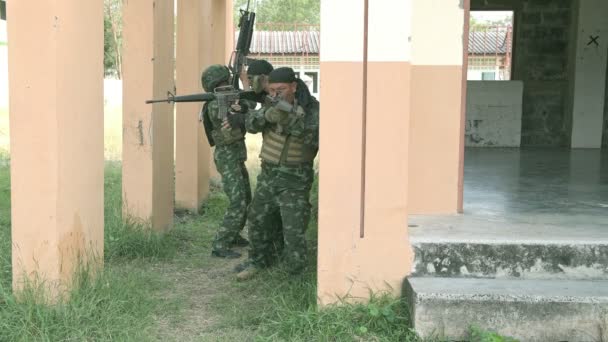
(228, 136)
(290, 144)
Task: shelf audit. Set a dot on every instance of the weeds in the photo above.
(114, 305)
(478, 334)
(125, 301)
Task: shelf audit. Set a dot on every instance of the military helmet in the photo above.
(214, 75)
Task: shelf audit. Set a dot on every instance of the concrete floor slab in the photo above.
(526, 196)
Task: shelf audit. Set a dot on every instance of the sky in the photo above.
(490, 15)
(478, 15)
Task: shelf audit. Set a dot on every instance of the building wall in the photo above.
(493, 114)
(588, 73)
(605, 136)
(541, 60)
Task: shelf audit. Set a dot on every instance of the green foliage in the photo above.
(5, 222)
(129, 239)
(479, 335)
(112, 47)
(283, 11)
(116, 305)
(119, 303)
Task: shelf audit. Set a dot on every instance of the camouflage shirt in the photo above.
(222, 136)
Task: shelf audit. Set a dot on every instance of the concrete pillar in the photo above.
(437, 107)
(363, 241)
(148, 129)
(590, 74)
(202, 28)
(56, 119)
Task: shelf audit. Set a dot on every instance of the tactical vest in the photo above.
(227, 136)
(286, 150)
(220, 137)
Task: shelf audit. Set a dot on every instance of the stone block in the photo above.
(529, 310)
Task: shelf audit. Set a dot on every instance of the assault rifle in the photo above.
(239, 56)
(225, 97)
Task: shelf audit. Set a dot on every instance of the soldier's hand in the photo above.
(236, 107)
(274, 115)
(226, 124)
(237, 120)
(239, 108)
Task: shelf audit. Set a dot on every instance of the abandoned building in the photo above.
(482, 202)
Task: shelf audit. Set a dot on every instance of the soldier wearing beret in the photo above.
(289, 122)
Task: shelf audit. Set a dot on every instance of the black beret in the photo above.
(259, 67)
(282, 75)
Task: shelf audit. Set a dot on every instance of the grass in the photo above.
(168, 288)
(4, 131)
(115, 306)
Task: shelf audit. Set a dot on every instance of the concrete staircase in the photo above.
(551, 290)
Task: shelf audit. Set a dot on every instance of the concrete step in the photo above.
(504, 259)
(528, 310)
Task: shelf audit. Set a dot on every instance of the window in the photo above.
(488, 76)
(490, 45)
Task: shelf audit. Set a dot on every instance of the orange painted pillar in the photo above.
(437, 107)
(363, 238)
(56, 119)
(201, 41)
(147, 168)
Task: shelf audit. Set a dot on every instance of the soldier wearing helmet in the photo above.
(229, 155)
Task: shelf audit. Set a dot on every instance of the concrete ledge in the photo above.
(529, 310)
(507, 260)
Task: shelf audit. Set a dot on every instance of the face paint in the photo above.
(257, 84)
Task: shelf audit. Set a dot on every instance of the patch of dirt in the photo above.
(195, 285)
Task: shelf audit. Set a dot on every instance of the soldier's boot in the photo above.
(240, 241)
(242, 266)
(225, 253)
(247, 273)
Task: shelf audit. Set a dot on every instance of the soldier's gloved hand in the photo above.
(274, 115)
(239, 108)
(237, 120)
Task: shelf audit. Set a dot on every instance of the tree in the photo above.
(283, 11)
(113, 37)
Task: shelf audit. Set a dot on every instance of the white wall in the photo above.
(493, 113)
(590, 74)
(3, 35)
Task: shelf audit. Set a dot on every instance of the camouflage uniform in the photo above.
(229, 155)
(283, 185)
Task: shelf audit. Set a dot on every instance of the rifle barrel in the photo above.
(158, 101)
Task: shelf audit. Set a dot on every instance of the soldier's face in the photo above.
(258, 83)
(286, 91)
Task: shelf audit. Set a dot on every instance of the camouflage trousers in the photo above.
(282, 192)
(230, 163)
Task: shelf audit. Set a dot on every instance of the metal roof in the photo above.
(490, 41)
(290, 42)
